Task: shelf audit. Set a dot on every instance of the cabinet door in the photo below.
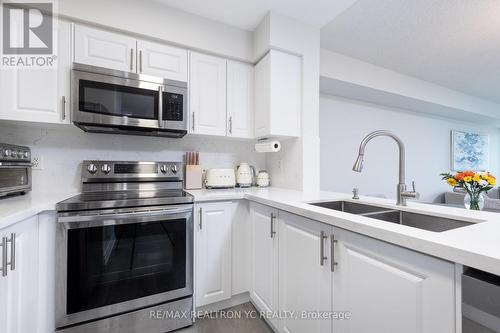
(391, 289)
(40, 94)
(213, 253)
(278, 92)
(104, 49)
(162, 60)
(262, 97)
(207, 94)
(305, 276)
(264, 292)
(19, 305)
(286, 94)
(239, 100)
(241, 256)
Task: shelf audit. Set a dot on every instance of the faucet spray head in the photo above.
(358, 165)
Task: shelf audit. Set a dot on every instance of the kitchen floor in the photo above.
(240, 325)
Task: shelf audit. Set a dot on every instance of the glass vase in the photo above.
(474, 201)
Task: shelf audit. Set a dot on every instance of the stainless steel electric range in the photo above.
(125, 250)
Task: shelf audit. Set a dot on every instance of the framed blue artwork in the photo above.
(469, 151)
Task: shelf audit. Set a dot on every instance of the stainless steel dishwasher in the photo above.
(480, 302)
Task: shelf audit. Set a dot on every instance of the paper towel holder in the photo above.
(266, 145)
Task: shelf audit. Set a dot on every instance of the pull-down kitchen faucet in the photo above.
(403, 194)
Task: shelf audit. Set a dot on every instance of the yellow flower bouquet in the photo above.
(474, 183)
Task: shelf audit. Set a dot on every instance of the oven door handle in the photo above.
(83, 221)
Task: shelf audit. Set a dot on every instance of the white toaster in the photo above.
(220, 178)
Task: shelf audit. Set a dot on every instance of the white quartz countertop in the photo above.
(477, 245)
(18, 208)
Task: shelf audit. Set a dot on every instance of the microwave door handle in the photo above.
(160, 106)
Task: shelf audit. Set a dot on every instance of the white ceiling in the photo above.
(248, 14)
(455, 43)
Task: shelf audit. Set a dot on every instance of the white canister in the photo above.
(263, 179)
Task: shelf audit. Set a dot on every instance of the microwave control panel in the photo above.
(173, 106)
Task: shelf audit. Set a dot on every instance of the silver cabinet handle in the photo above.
(192, 125)
(140, 61)
(12, 242)
(332, 250)
(200, 222)
(3, 269)
(230, 125)
(322, 256)
(131, 59)
(272, 225)
(63, 114)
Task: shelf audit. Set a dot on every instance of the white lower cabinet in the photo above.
(19, 288)
(391, 289)
(300, 269)
(213, 252)
(241, 228)
(305, 277)
(264, 252)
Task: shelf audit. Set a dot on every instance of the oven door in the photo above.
(14, 178)
(115, 263)
(106, 100)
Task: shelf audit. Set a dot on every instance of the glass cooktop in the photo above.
(120, 199)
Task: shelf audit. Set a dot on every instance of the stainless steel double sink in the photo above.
(416, 220)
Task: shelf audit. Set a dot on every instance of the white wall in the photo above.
(338, 67)
(63, 148)
(344, 123)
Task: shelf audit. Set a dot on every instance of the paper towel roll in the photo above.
(268, 147)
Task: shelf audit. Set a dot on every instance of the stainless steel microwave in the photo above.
(110, 101)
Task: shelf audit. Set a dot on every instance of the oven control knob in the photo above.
(92, 168)
(106, 168)
(7, 152)
(164, 168)
(174, 168)
(14, 153)
(26, 154)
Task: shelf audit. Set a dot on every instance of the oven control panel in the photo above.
(131, 170)
(13, 153)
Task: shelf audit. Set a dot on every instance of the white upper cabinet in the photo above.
(240, 99)
(391, 289)
(278, 95)
(207, 94)
(264, 252)
(112, 50)
(305, 277)
(162, 60)
(40, 94)
(106, 49)
(213, 252)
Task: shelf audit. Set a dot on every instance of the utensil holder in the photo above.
(193, 177)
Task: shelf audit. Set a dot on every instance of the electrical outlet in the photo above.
(281, 167)
(37, 162)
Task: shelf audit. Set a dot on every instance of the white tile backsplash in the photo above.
(64, 147)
